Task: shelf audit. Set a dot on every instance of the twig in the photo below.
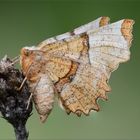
(13, 103)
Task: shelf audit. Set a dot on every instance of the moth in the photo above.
(76, 66)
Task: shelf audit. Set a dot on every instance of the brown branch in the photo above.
(13, 103)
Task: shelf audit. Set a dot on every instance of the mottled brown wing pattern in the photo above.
(54, 61)
(108, 47)
(77, 65)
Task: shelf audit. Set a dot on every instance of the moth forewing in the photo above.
(101, 21)
(108, 46)
(77, 65)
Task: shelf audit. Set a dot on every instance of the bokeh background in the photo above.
(27, 23)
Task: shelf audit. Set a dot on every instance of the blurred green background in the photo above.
(27, 23)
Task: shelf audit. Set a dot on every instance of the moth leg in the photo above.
(14, 62)
(15, 59)
(29, 100)
(23, 82)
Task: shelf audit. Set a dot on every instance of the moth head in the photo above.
(28, 56)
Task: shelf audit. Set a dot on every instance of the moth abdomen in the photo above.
(43, 96)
